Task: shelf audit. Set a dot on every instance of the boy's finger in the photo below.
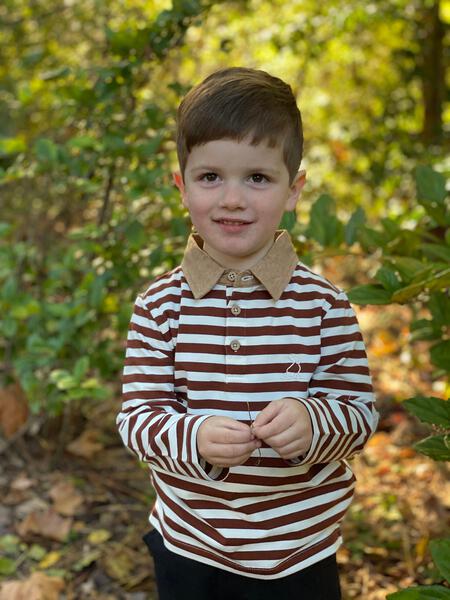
(234, 436)
(234, 451)
(267, 414)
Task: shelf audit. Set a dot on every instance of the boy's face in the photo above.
(236, 194)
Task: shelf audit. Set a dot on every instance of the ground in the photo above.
(71, 522)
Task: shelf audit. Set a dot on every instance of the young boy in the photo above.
(246, 385)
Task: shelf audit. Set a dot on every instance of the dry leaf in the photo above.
(47, 523)
(86, 445)
(49, 560)
(22, 482)
(37, 587)
(32, 505)
(118, 562)
(13, 409)
(66, 499)
(99, 536)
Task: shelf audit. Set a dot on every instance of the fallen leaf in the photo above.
(9, 543)
(22, 482)
(7, 566)
(50, 559)
(66, 499)
(13, 409)
(86, 560)
(86, 445)
(47, 523)
(36, 552)
(118, 562)
(29, 506)
(38, 586)
(99, 536)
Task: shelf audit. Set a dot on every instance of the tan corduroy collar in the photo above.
(274, 270)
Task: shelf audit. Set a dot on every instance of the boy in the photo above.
(246, 383)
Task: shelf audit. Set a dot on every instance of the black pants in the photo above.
(180, 578)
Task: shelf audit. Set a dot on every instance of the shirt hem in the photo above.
(324, 551)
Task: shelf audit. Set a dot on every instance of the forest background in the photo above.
(89, 215)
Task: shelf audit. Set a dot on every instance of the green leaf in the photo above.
(421, 592)
(408, 292)
(369, 294)
(324, 226)
(440, 551)
(440, 280)
(5, 229)
(436, 447)
(7, 566)
(437, 251)
(36, 552)
(55, 73)
(135, 234)
(81, 368)
(439, 305)
(115, 145)
(388, 279)
(83, 142)
(409, 268)
(371, 239)
(440, 355)
(9, 327)
(46, 150)
(9, 289)
(149, 149)
(430, 410)
(430, 185)
(9, 543)
(427, 279)
(424, 329)
(11, 146)
(354, 225)
(288, 220)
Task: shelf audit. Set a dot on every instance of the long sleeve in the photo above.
(153, 422)
(340, 399)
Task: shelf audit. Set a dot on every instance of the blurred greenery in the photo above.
(89, 214)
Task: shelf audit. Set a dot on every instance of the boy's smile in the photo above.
(236, 194)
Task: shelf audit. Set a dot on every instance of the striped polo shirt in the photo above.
(204, 340)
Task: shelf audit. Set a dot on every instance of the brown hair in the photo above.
(238, 102)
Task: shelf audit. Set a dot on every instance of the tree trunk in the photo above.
(433, 74)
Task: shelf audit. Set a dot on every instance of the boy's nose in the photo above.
(233, 197)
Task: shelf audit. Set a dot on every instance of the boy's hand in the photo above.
(285, 425)
(224, 442)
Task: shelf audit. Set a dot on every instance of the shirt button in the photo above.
(235, 309)
(235, 345)
(231, 276)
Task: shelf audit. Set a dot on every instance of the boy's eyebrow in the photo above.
(249, 169)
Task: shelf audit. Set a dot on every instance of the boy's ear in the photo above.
(178, 181)
(295, 189)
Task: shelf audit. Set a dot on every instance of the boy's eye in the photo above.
(209, 177)
(258, 178)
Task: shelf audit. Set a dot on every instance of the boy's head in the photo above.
(238, 103)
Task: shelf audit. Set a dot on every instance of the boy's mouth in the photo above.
(232, 222)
